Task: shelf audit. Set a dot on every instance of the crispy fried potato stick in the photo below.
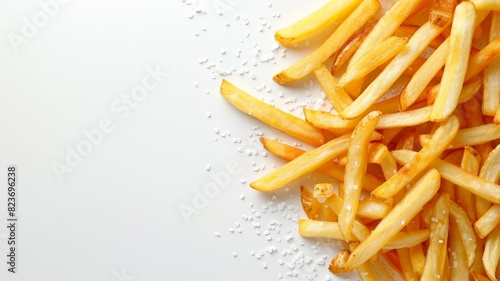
(331, 169)
(471, 136)
(470, 163)
(417, 43)
(457, 256)
(355, 170)
(407, 239)
(272, 116)
(456, 62)
(397, 218)
(452, 173)
(436, 253)
(372, 59)
(466, 232)
(310, 205)
(316, 21)
(339, 98)
(352, 23)
(304, 164)
(442, 12)
(492, 253)
(440, 141)
(404, 119)
(406, 266)
(491, 91)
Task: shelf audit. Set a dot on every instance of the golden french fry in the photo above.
(386, 26)
(316, 21)
(407, 141)
(496, 119)
(373, 209)
(331, 169)
(452, 173)
(417, 255)
(355, 170)
(339, 264)
(407, 239)
(389, 166)
(406, 30)
(491, 98)
(487, 222)
(492, 253)
(323, 190)
(440, 141)
(378, 271)
(330, 122)
(456, 62)
(466, 232)
(351, 24)
(479, 277)
(396, 219)
(406, 266)
(310, 205)
(417, 43)
(302, 165)
(470, 136)
(350, 47)
(459, 266)
(320, 229)
(470, 163)
(339, 98)
(375, 57)
(404, 119)
(436, 252)
(272, 116)
(467, 93)
(424, 75)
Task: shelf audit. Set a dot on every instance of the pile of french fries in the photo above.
(414, 176)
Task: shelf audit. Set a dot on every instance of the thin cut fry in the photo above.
(491, 91)
(487, 4)
(407, 239)
(320, 229)
(470, 163)
(316, 21)
(471, 136)
(347, 28)
(323, 190)
(355, 170)
(466, 231)
(457, 256)
(456, 62)
(272, 116)
(436, 253)
(417, 256)
(452, 173)
(404, 119)
(339, 98)
(397, 218)
(492, 253)
(406, 266)
(381, 53)
(440, 141)
(310, 205)
(417, 43)
(442, 12)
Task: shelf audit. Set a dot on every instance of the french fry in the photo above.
(490, 172)
(456, 62)
(310, 205)
(351, 24)
(492, 253)
(491, 98)
(320, 229)
(407, 141)
(359, 230)
(424, 75)
(350, 47)
(338, 265)
(409, 30)
(465, 231)
(406, 266)
(330, 122)
(380, 53)
(314, 22)
(417, 255)
(467, 93)
(386, 26)
(452, 173)
(331, 169)
(375, 155)
(470, 163)
(487, 222)
(404, 119)
(272, 116)
(417, 43)
(355, 170)
(440, 141)
(479, 277)
(470, 136)
(368, 208)
(378, 270)
(302, 165)
(339, 98)
(457, 256)
(436, 252)
(397, 218)
(407, 239)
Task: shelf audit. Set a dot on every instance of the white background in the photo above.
(116, 215)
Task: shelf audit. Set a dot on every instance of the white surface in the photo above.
(116, 215)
